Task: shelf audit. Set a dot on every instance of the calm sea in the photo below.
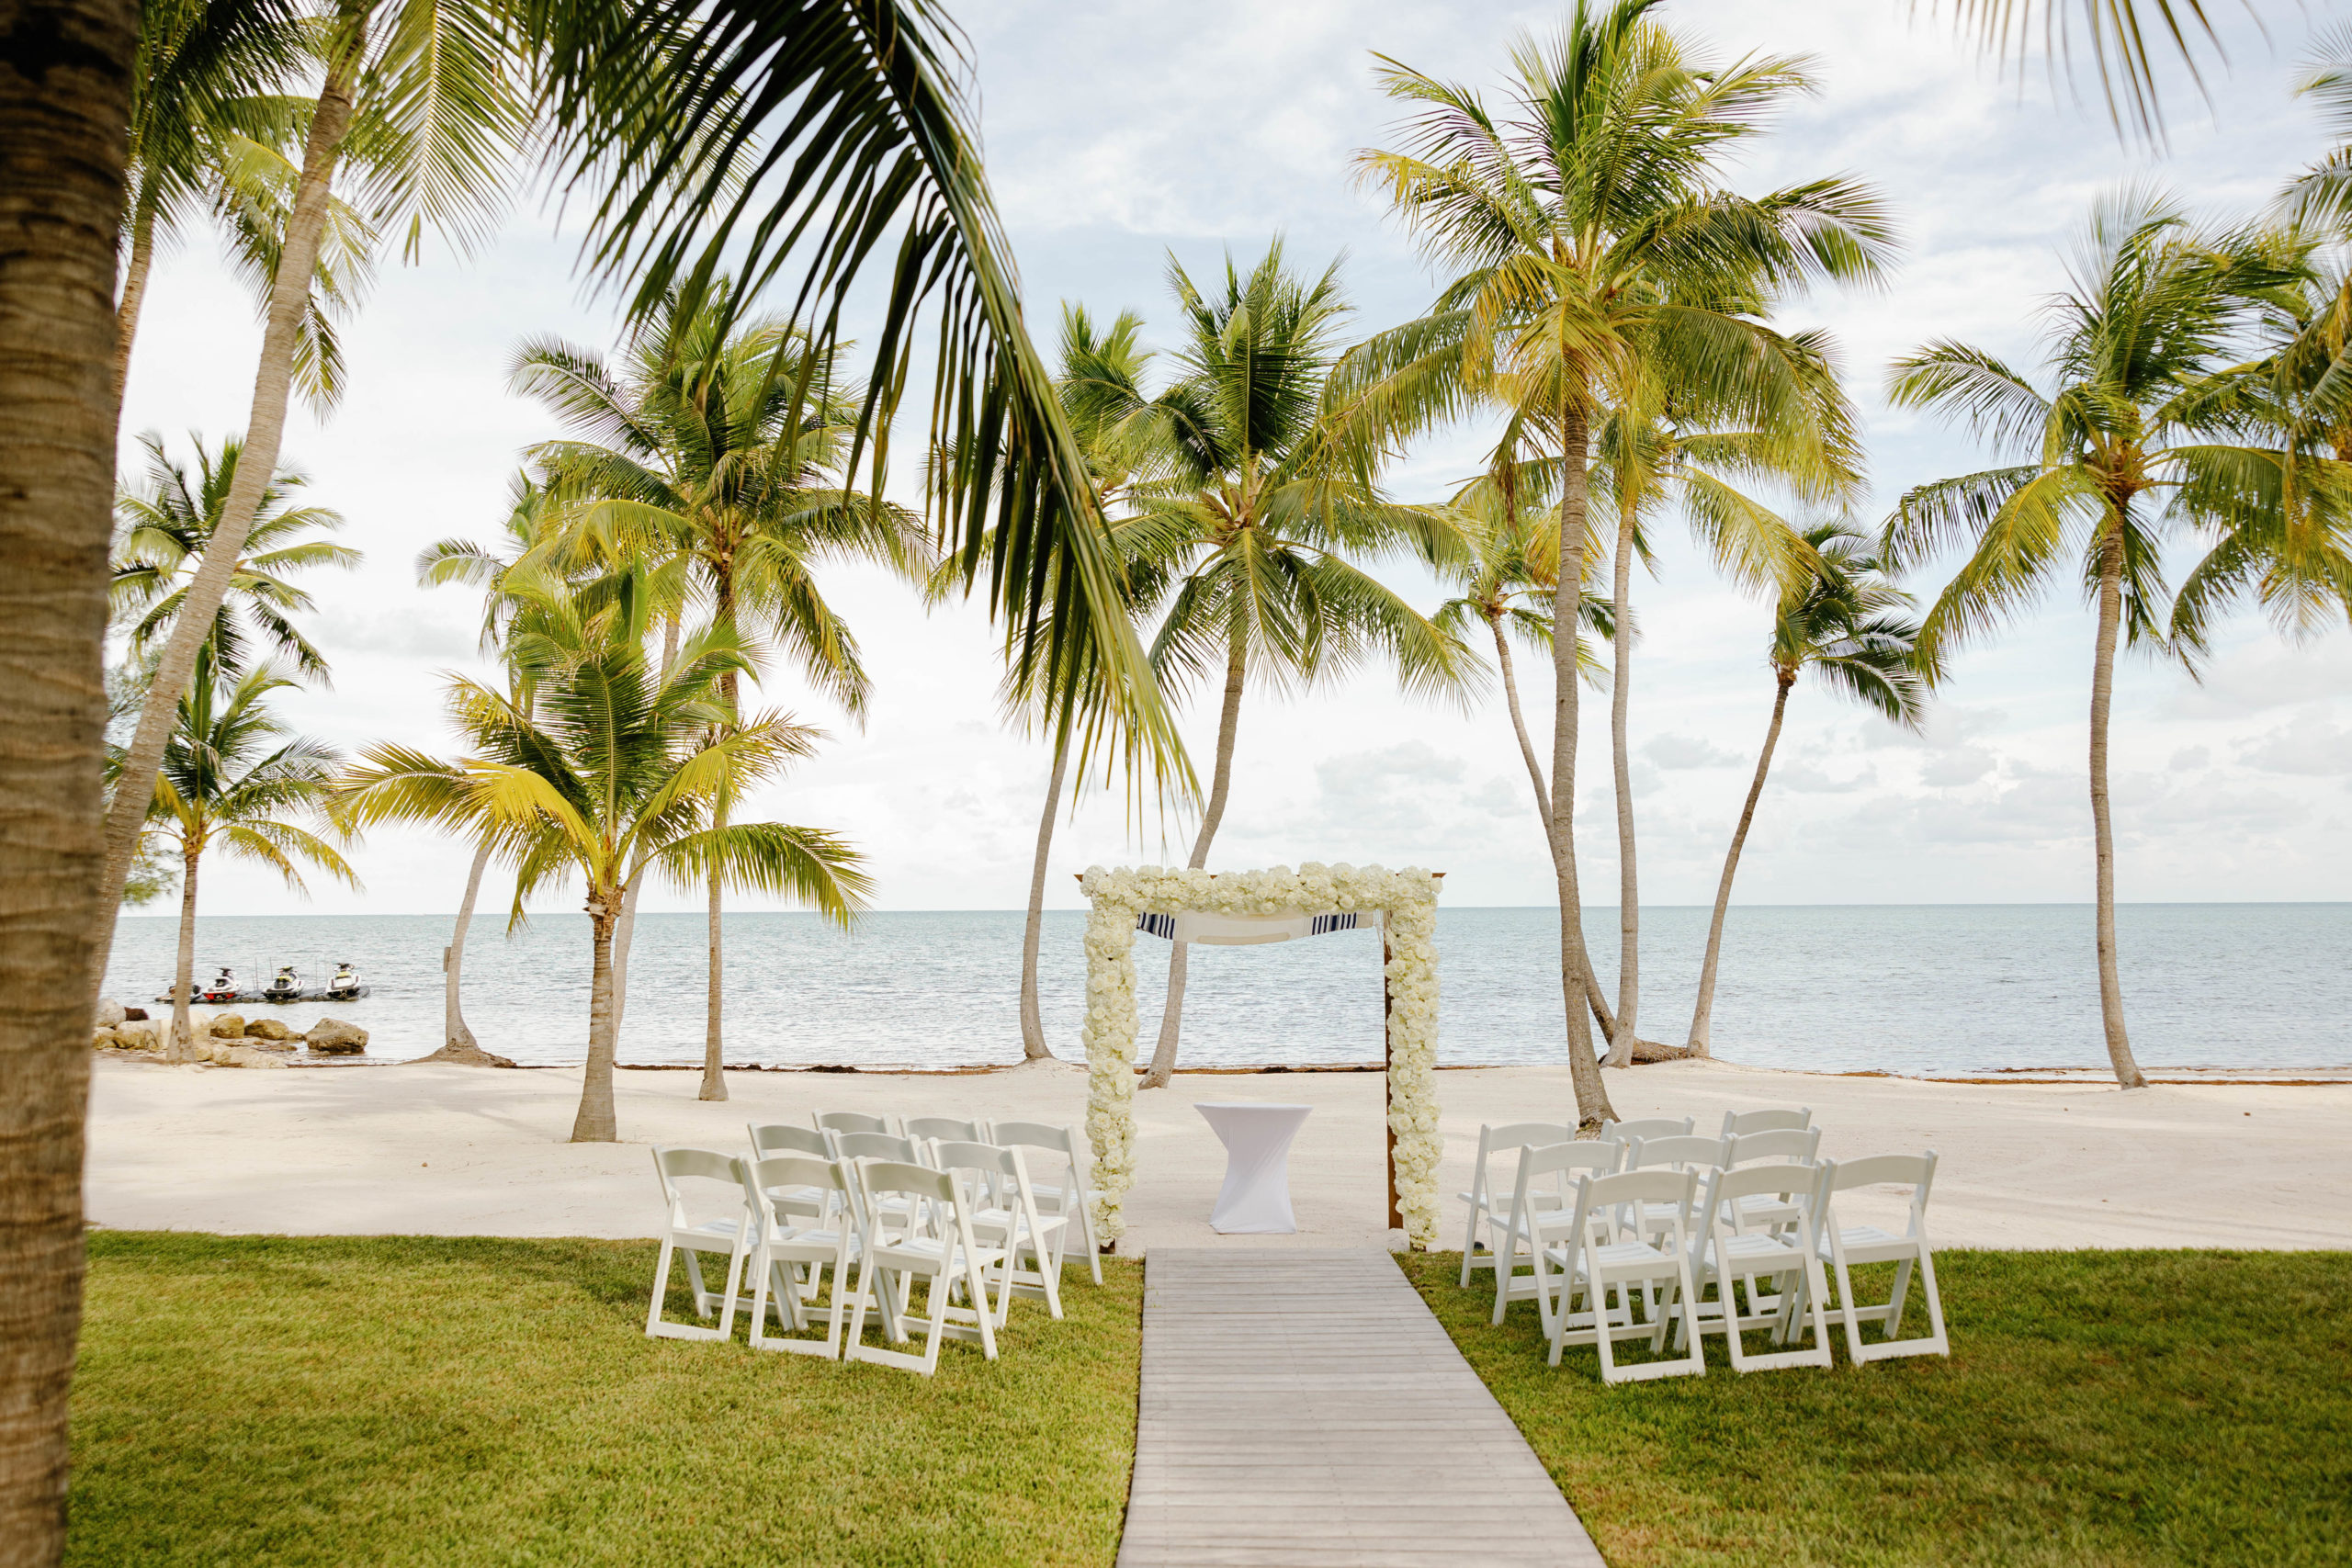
(1942, 989)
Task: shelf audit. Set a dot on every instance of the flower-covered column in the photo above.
(1412, 1059)
(1109, 1034)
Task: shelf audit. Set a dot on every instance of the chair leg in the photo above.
(660, 1289)
(1894, 1302)
(694, 1274)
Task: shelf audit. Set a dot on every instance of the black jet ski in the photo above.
(346, 986)
(287, 987)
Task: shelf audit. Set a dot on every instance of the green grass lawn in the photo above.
(2097, 1408)
(410, 1400)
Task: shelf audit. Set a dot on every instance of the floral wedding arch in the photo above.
(1223, 909)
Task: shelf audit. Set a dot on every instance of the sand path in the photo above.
(465, 1151)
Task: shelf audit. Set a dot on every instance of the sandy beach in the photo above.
(456, 1151)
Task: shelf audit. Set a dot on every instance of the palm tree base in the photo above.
(463, 1054)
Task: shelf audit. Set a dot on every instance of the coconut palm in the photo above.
(1847, 622)
(718, 447)
(420, 105)
(167, 524)
(617, 771)
(2153, 313)
(235, 780)
(1591, 250)
(1266, 496)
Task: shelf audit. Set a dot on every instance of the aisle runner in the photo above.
(1303, 1406)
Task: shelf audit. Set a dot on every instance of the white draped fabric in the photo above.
(1255, 1200)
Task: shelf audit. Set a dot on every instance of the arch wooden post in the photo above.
(1387, 1078)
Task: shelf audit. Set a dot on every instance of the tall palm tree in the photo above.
(617, 771)
(235, 780)
(2153, 310)
(1846, 623)
(719, 446)
(168, 523)
(432, 87)
(1591, 241)
(1264, 498)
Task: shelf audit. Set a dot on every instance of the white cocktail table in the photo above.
(1255, 1200)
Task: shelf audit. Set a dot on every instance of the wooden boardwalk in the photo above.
(1304, 1407)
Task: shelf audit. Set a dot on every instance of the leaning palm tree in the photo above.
(719, 449)
(1267, 494)
(1846, 623)
(616, 771)
(236, 781)
(1590, 241)
(2153, 312)
(168, 523)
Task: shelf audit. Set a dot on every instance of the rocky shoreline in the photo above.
(224, 1039)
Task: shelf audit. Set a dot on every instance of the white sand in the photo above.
(455, 1150)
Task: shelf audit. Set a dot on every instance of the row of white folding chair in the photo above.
(900, 1221)
(1705, 1241)
(1069, 1196)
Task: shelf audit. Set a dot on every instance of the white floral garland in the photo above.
(1408, 897)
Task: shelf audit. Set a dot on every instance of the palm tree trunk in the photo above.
(65, 72)
(1033, 1027)
(1576, 964)
(1599, 1003)
(458, 1041)
(134, 293)
(1629, 893)
(624, 932)
(1171, 1020)
(2110, 982)
(1701, 1014)
(290, 296)
(181, 1047)
(594, 1123)
(714, 1080)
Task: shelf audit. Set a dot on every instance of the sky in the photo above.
(1120, 134)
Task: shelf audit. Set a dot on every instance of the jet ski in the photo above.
(222, 989)
(287, 987)
(346, 986)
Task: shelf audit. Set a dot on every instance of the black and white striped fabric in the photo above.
(1251, 931)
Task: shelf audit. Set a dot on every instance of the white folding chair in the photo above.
(952, 1258)
(1581, 1264)
(1787, 1146)
(775, 1138)
(852, 1147)
(1738, 1123)
(1069, 1195)
(732, 1236)
(851, 1122)
(1679, 1153)
(945, 1129)
(1727, 1257)
(1534, 1215)
(1647, 1127)
(1843, 1247)
(1480, 1200)
(783, 1248)
(1005, 1214)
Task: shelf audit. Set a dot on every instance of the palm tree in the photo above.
(1593, 251)
(235, 779)
(434, 90)
(168, 524)
(2153, 313)
(1266, 495)
(719, 446)
(1846, 624)
(615, 771)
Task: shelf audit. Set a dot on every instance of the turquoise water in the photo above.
(1941, 988)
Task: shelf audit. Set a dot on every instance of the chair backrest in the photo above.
(675, 1166)
(926, 1128)
(1650, 1127)
(1496, 1140)
(1785, 1144)
(948, 1153)
(1678, 1152)
(1586, 1153)
(790, 1170)
(1915, 1171)
(775, 1138)
(1725, 1186)
(1775, 1118)
(878, 1145)
(1033, 1135)
(890, 1176)
(1601, 1197)
(851, 1122)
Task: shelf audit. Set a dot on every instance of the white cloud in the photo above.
(2306, 744)
(2189, 758)
(1689, 751)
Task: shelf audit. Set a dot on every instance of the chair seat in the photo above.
(1618, 1256)
(1006, 1219)
(923, 1253)
(726, 1231)
(1756, 1252)
(1869, 1244)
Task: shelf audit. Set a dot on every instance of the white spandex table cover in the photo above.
(1255, 1200)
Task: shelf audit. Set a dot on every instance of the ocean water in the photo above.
(1914, 989)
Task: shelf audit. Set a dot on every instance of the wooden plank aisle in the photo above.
(1303, 1406)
